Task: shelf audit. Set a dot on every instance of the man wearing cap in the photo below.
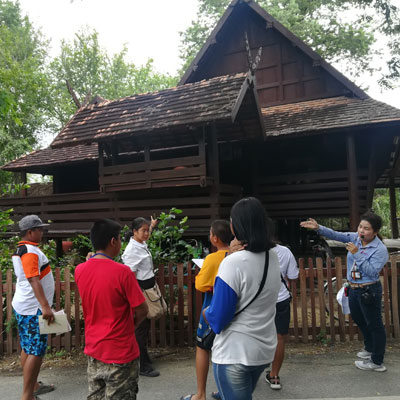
(33, 296)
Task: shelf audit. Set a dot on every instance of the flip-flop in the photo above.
(216, 395)
(188, 397)
(43, 389)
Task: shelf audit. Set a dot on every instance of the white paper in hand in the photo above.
(198, 261)
(343, 300)
(59, 326)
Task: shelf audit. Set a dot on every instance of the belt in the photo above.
(361, 285)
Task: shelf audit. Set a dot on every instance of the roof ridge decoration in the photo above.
(271, 22)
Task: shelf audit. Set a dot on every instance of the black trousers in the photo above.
(142, 331)
(142, 336)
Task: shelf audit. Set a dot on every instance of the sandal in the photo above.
(43, 389)
(188, 397)
(216, 395)
(274, 381)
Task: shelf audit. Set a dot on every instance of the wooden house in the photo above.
(298, 135)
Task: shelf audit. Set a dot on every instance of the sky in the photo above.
(149, 29)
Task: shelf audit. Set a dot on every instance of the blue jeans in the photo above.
(237, 381)
(368, 317)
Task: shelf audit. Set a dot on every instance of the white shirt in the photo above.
(33, 263)
(289, 269)
(138, 258)
(250, 338)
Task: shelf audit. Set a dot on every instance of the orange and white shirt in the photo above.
(29, 261)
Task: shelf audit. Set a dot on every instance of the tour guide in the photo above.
(366, 256)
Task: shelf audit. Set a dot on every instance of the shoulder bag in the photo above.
(155, 301)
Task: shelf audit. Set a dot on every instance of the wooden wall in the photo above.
(285, 74)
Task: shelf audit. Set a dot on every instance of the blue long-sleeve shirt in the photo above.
(369, 259)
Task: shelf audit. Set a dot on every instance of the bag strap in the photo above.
(261, 284)
(286, 286)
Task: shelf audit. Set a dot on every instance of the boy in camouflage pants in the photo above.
(113, 305)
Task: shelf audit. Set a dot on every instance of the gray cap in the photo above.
(30, 222)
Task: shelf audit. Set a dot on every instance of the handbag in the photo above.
(155, 301)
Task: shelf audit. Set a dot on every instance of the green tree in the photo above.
(23, 84)
(342, 31)
(90, 71)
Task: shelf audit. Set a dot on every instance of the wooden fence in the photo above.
(316, 316)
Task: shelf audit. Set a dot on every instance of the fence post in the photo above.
(9, 291)
(161, 283)
(303, 296)
(77, 312)
(67, 292)
(171, 306)
(190, 304)
(395, 305)
(386, 308)
(181, 304)
(330, 300)
(294, 309)
(321, 299)
(1, 315)
(339, 284)
(57, 339)
(312, 299)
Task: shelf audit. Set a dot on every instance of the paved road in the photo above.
(324, 376)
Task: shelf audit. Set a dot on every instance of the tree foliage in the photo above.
(341, 31)
(23, 84)
(91, 71)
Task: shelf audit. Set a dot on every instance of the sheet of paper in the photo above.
(198, 261)
(60, 324)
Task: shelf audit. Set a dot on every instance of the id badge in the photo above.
(356, 274)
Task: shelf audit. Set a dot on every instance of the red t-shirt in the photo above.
(109, 293)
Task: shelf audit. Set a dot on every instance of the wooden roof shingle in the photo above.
(52, 157)
(326, 114)
(187, 105)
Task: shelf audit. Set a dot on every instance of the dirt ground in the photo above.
(74, 358)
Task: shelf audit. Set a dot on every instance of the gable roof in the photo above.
(320, 115)
(190, 105)
(271, 22)
(46, 159)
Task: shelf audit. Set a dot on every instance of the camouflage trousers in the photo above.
(112, 381)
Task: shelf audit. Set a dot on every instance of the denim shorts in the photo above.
(237, 381)
(32, 342)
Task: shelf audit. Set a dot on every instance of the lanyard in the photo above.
(100, 254)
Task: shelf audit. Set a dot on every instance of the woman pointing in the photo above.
(366, 256)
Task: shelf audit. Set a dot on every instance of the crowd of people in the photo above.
(245, 315)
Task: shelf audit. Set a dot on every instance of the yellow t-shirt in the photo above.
(206, 277)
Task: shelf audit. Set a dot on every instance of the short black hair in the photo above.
(102, 232)
(374, 219)
(25, 232)
(222, 230)
(251, 225)
(138, 222)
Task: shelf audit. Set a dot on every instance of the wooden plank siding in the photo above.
(318, 194)
(173, 172)
(73, 213)
(178, 327)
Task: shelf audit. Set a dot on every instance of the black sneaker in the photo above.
(151, 373)
(274, 381)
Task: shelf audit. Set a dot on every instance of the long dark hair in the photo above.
(251, 225)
